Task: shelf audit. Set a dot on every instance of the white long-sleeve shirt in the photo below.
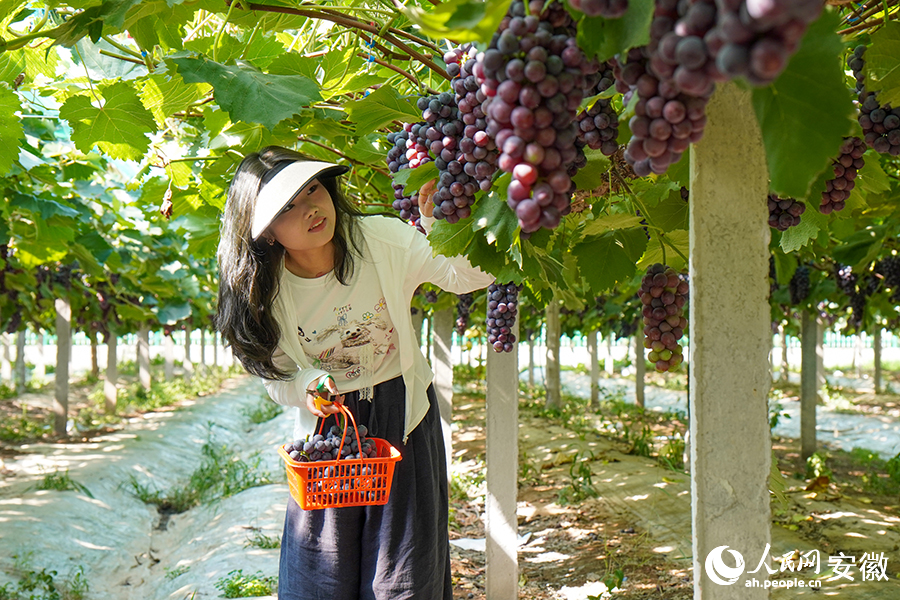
(403, 260)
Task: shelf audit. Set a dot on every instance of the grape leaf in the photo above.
(594, 173)
(450, 240)
(172, 313)
(806, 112)
(413, 179)
(611, 222)
(118, 128)
(249, 94)
(166, 93)
(11, 131)
(671, 213)
(380, 108)
(460, 20)
(882, 68)
(604, 38)
(603, 262)
(857, 248)
(796, 237)
(499, 224)
(654, 254)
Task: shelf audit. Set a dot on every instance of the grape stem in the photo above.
(397, 69)
(659, 232)
(342, 155)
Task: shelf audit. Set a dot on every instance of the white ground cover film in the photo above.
(117, 539)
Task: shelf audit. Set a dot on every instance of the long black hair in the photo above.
(249, 270)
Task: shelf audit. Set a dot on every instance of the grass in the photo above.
(264, 410)
(221, 474)
(176, 572)
(61, 482)
(878, 475)
(238, 585)
(43, 584)
(261, 540)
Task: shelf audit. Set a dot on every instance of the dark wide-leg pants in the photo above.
(398, 551)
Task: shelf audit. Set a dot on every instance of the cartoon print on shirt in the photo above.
(303, 335)
(345, 342)
(341, 314)
(381, 305)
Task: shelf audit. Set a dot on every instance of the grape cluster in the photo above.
(442, 131)
(320, 447)
(463, 308)
(431, 296)
(784, 212)
(755, 38)
(479, 152)
(407, 152)
(694, 44)
(663, 295)
(608, 9)
(846, 167)
(846, 279)
(535, 76)
(880, 124)
(889, 269)
(502, 306)
(799, 285)
(598, 127)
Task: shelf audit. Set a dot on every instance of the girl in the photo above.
(311, 293)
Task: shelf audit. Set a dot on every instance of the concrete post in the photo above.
(809, 390)
(785, 362)
(443, 376)
(63, 354)
(640, 369)
(610, 366)
(168, 357)
(188, 365)
(143, 354)
(820, 356)
(6, 363)
(876, 347)
(215, 346)
(595, 368)
(20, 362)
(110, 391)
(40, 365)
(729, 379)
(551, 367)
(502, 457)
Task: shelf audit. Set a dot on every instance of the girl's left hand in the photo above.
(426, 195)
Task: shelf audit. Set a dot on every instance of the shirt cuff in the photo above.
(426, 223)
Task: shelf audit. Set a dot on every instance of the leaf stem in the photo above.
(122, 48)
(657, 230)
(90, 83)
(125, 58)
(221, 32)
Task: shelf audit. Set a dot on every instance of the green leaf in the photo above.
(872, 177)
(805, 114)
(603, 262)
(811, 223)
(611, 222)
(413, 179)
(785, 265)
(460, 20)
(380, 108)
(164, 94)
(671, 213)
(118, 128)
(11, 131)
(450, 240)
(248, 94)
(593, 175)
(859, 246)
(92, 20)
(604, 38)
(678, 238)
(882, 68)
(499, 223)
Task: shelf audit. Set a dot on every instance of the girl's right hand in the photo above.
(320, 408)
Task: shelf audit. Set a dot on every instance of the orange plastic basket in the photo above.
(342, 482)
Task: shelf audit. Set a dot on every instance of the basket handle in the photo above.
(347, 413)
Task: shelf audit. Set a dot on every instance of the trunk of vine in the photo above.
(610, 361)
(202, 349)
(531, 362)
(95, 365)
(785, 363)
(40, 363)
(554, 396)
